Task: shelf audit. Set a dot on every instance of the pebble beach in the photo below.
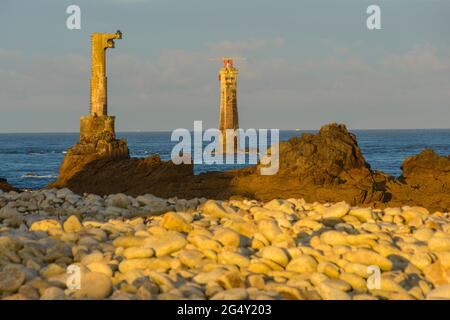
(149, 248)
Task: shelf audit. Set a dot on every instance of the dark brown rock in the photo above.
(425, 166)
(323, 158)
(5, 186)
(425, 181)
(107, 176)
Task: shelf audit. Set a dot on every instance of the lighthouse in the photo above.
(228, 105)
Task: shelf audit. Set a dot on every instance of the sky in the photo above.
(302, 63)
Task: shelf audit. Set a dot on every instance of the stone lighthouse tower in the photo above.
(228, 104)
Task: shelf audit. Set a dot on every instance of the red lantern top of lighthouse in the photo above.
(228, 62)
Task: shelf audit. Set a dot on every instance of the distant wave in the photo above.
(28, 152)
(142, 153)
(35, 176)
(40, 152)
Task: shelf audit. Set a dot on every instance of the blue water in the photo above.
(32, 160)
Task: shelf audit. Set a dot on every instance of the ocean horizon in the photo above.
(32, 160)
(166, 131)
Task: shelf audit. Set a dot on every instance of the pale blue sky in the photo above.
(308, 63)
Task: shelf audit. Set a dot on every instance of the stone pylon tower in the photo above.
(97, 132)
(228, 103)
(99, 100)
(98, 125)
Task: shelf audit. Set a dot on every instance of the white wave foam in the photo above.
(35, 176)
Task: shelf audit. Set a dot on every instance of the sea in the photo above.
(32, 160)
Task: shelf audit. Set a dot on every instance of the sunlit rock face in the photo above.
(425, 180)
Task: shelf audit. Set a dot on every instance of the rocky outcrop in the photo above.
(425, 181)
(107, 175)
(427, 169)
(326, 158)
(97, 141)
(326, 167)
(5, 186)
